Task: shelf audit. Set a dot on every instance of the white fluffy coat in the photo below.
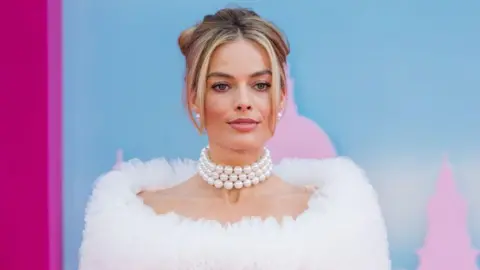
(342, 229)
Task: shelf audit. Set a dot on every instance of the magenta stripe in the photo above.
(24, 226)
(54, 25)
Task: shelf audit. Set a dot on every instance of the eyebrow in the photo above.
(225, 75)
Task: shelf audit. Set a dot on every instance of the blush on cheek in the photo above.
(216, 113)
(265, 112)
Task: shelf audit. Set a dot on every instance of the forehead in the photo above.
(240, 57)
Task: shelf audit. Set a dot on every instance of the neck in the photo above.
(227, 156)
(233, 185)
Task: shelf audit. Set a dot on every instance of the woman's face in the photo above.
(237, 101)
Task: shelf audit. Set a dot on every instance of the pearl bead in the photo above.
(228, 185)
(238, 185)
(237, 177)
(237, 170)
(228, 170)
(211, 181)
(262, 162)
(218, 184)
(210, 166)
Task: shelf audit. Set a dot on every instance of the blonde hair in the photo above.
(199, 42)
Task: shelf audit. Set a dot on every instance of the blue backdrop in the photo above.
(395, 84)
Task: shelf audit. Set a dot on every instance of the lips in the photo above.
(243, 124)
(243, 121)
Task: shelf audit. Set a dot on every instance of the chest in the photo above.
(226, 212)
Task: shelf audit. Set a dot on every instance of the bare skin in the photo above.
(238, 86)
(195, 199)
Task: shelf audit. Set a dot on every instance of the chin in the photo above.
(246, 142)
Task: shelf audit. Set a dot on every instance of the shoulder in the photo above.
(338, 171)
(153, 173)
(343, 188)
(120, 187)
(115, 208)
(346, 205)
(338, 179)
(349, 203)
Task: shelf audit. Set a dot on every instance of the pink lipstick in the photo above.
(243, 124)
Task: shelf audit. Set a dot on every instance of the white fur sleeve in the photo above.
(99, 249)
(368, 249)
(372, 242)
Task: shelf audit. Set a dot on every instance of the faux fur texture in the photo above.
(343, 228)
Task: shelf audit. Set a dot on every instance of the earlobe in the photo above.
(197, 117)
(195, 112)
(193, 107)
(279, 115)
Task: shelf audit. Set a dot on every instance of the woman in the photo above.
(232, 209)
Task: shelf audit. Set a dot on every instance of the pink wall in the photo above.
(30, 167)
(54, 35)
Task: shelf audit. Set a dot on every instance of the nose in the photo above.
(241, 107)
(243, 98)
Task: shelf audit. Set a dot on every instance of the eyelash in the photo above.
(215, 86)
(267, 86)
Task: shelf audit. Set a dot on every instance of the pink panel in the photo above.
(30, 167)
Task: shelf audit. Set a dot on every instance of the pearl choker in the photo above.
(229, 177)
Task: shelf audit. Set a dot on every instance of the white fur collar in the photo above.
(342, 229)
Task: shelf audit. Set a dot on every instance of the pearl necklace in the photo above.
(229, 177)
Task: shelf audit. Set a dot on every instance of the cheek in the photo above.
(215, 109)
(264, 107)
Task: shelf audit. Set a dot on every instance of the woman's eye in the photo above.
(262, 86)
(220, 87)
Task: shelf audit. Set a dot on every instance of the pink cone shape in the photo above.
(447, 243)
(119, 159)
(297, 136)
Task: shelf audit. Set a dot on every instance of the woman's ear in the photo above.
(196, 117)
(195, 111)
(283, 99)
(192, 102)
